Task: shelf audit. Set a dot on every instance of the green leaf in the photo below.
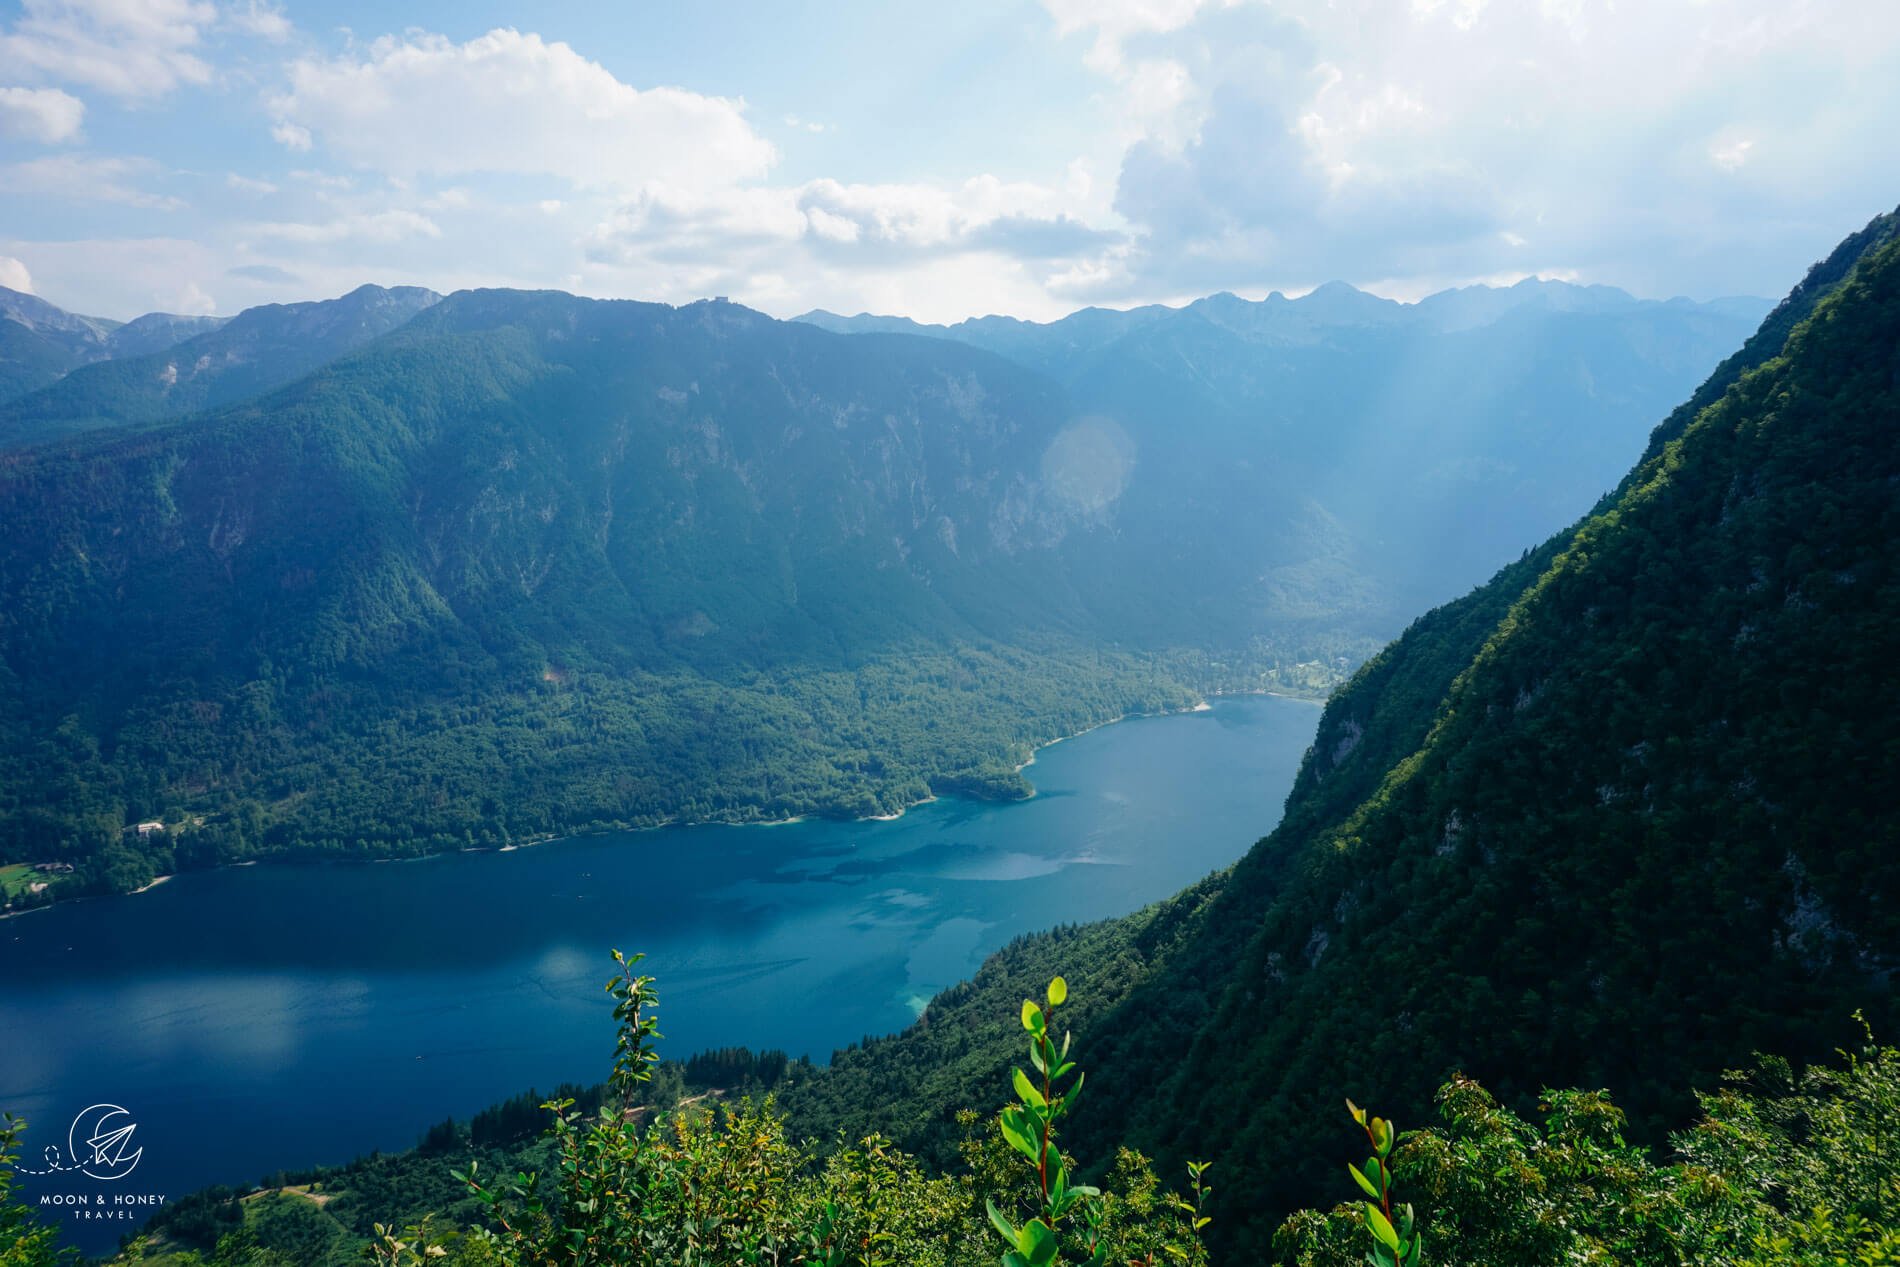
(1027, 1089)
(1371, 1188)
(1037, 1240)
(1058, 991)
(1015, 1128)
(1032, 1017)
(1381, 1226)
(1074, 1091)
(1003, 1226)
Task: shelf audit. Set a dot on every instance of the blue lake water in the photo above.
(289, 1015)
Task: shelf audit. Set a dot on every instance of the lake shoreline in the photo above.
(421, 993)
(1200, 706)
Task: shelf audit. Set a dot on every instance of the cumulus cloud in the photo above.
(668, 193)
(13, 275)
(513, 103)
(126, 48)
(761, 241)
(889, 220)
(1707, 148)
(46, 115)
(1270, 191)
(88, 178)
(1698, 146)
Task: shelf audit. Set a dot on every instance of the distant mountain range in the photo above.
(1420, 440)
(41, 344)
(161, 366)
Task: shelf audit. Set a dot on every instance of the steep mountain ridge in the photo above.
(152, 376)
(1424, 438)
(1616, 819)
(41, 343)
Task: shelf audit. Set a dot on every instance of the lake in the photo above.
(286, 1015)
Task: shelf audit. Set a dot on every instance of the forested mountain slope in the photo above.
(151, 377)
(1617, 819)
(489, 575)
(536, 563)
(1431, 439)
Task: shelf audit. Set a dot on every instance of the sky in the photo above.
(1027, 157)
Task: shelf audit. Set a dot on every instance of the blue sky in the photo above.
(1018, 156)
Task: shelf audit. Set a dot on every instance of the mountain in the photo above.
(156, 331)
(152, 376)
(1616, 819)
(1425, 442)
(533, 563)
(40, 343)
(529, 563)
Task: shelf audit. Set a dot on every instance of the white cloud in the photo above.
(291, 136)
(951, 251)
(46, 115)
(192, 301)
(1371, 139)
(13, 275)
(513, 103)
(120, 277)
(266, 21)
(87, 178)
(1115, 21)
(126, 48)
(1730, 155)
(379, 226)
(878, 222)
(1699, 146)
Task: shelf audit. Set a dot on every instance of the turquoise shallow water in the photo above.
(286, 1015)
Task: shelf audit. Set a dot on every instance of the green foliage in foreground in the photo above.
(24, 1241)
(1788, 1168)
(727, 1185)
(1784, 1166)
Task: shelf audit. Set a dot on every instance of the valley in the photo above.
(530, 738)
